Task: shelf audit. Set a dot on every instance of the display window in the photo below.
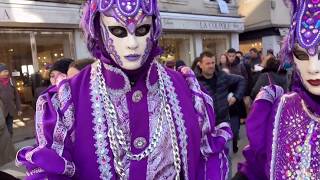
(29, 55)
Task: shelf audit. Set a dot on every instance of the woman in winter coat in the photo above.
(270, 75)
(9, 96)
(7, 150)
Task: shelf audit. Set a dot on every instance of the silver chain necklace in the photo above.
(117, 138)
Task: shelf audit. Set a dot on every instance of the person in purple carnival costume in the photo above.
(284, 129)
(126, 116)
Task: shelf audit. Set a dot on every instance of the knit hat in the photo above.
(3, 67)
(180, 63)
(61, 65)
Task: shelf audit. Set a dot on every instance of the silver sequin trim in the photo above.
(99, 128)
(65, 123)
(39, 128)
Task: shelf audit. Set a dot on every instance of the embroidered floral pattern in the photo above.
(178, 116)
(61, 129)
(64, 94)
(42, 142)
(34, 171)
(69, 168)
(64, 123)
(160, 162)
(270, 93)
(119, 100)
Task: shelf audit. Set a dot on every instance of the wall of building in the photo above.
(260, 14)
(271, 42)
(80, 45)
(256, 13)
(205, 7)
(33, 14)
(280, 14)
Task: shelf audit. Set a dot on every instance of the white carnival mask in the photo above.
(128, 46)
(308, 68)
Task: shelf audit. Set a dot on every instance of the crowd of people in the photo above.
(233, 81)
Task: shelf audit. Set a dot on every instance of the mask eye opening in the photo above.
(118, 31)
(300, 54)
(142, 30)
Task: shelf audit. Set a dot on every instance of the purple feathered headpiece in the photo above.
(127, 12)
(305, 27)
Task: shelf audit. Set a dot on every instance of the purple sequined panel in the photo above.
(297, 150)
(309, 25)
(147, 7)
(128, 7)
(105, 4)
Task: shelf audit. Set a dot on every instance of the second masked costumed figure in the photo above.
(284, 129)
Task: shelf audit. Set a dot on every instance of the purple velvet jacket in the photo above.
(284, 135)
(72, 141)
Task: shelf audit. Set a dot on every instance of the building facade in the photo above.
(191, 27)
(266, 23)
(34, 34)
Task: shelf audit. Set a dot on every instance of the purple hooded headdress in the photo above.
(125, 11)
(304, 29)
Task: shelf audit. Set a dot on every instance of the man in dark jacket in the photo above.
(238, 110)
(217, 84)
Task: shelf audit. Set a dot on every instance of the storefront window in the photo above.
(16, 53)
(217, 44)
(245, 46)
(50, 48)
(28, 54)
(176, 47)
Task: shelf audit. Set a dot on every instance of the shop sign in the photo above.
(220, 26)
(4, 15)
(178, 24)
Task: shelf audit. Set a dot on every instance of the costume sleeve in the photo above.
(259, 126)
(214, 138)
(54, 120)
